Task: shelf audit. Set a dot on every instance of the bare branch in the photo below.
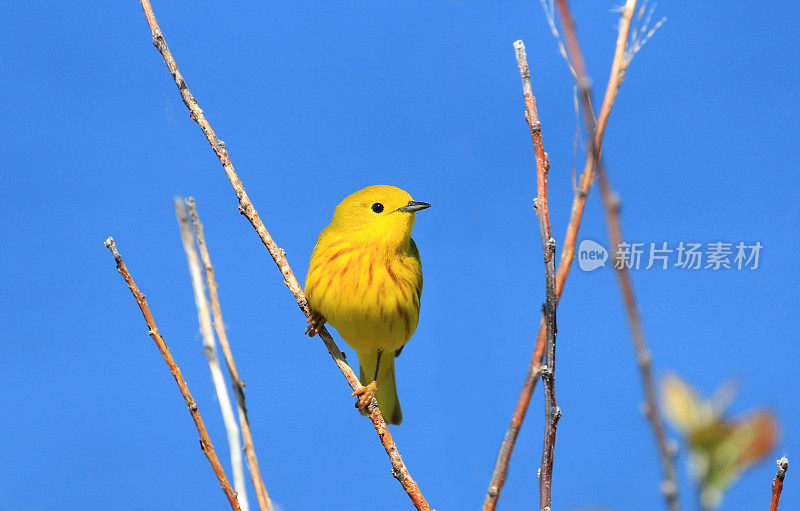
(264, 503)
(210, 351)
(548, 247)
(246, 208)
(777, 483)
(551, 411)
(542, 164)
(622, 58)
(652, 409)
(578, 204)
(205, 442)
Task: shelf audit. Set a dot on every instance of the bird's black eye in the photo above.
(377, 207)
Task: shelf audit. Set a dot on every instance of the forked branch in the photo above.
(570, 239)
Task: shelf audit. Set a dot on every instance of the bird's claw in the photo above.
(315, 322)
(365, 395)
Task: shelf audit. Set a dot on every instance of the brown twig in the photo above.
(210, 351)
(264, 503)
(551, 411)
(596, 129)
(205, 442)
(669, 485)
(246, 208)
(576, 215)
(652, 408)
(777, 483)
(548, 246)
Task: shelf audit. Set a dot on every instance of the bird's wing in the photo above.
(415, 254)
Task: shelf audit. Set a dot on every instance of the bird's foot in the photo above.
(365, 395)
(315, 322)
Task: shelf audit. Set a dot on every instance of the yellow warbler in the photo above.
(365, 279)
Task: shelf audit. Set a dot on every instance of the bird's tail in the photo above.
(386, 394)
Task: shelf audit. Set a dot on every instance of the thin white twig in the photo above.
(210, 350)
(264, 502)
(641, 32)
(550, 15)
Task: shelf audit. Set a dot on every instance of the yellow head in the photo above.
(378, 214)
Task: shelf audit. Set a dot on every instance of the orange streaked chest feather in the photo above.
(369, 293)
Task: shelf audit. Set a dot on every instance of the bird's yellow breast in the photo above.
(369, 293)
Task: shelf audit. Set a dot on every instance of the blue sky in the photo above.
(316, 100)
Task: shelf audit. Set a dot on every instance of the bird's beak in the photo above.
(413, 206)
